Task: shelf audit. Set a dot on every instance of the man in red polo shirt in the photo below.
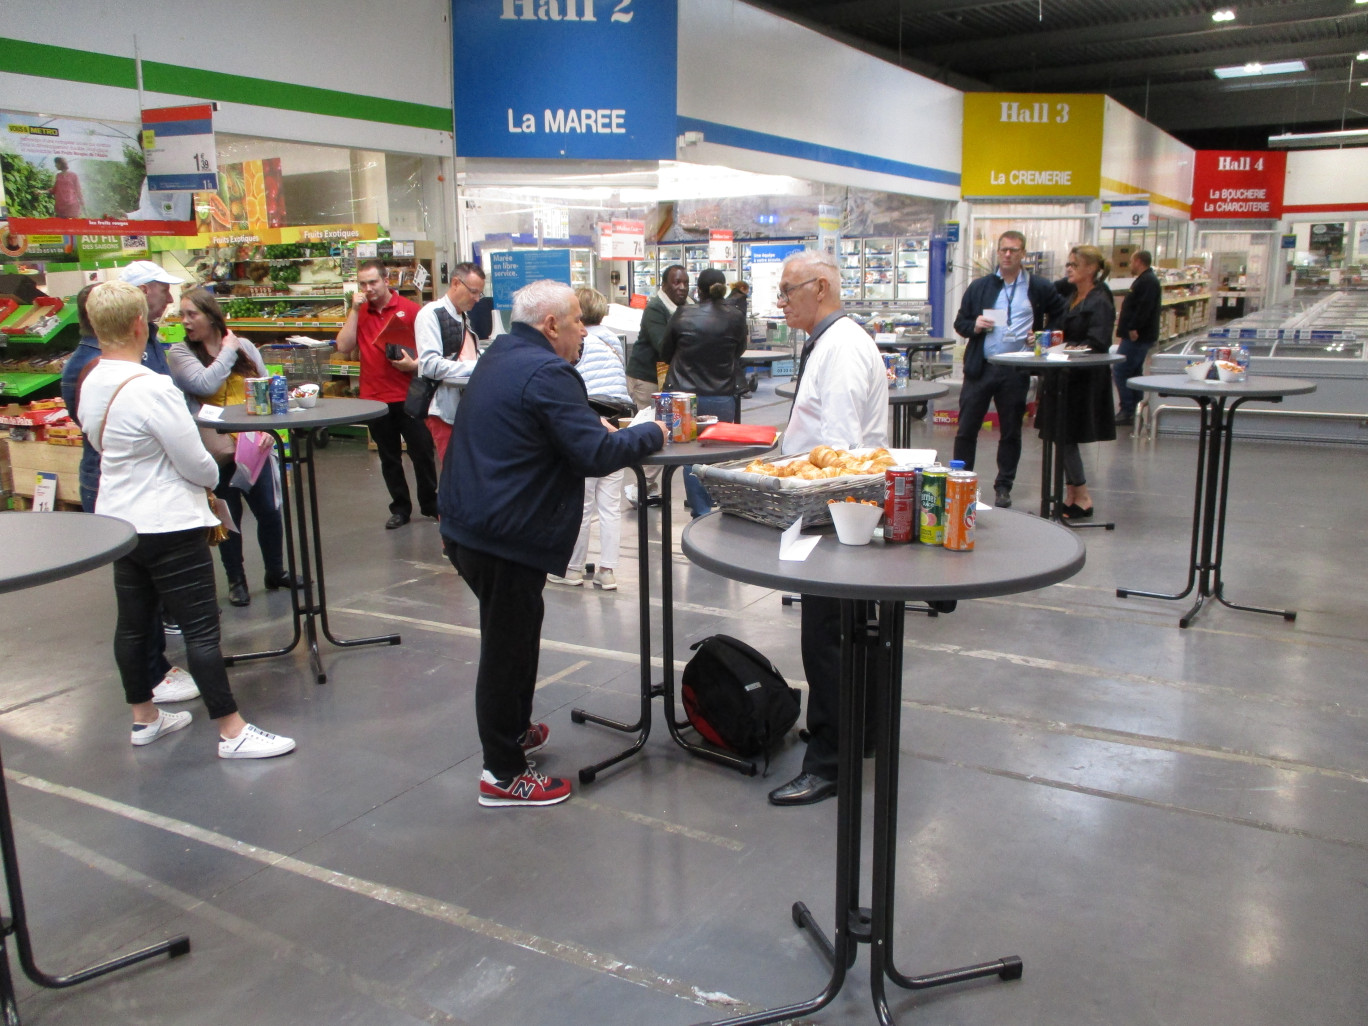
(380, 317)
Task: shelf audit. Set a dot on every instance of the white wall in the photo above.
(1139, 157)
(353, 46)
(1330, 181)
(745, 68)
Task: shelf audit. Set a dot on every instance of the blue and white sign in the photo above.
(178, 148)
(1125, 213)
(512, 269)
(565, 78)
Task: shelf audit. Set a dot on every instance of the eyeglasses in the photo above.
(786, 291)
(1009, 249)
(471, 289)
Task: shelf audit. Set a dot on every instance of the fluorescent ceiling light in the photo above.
(1363, 55)
(1255, 68)
(1293, 140)
(1225, 14)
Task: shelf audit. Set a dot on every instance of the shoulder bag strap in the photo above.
(104, 423)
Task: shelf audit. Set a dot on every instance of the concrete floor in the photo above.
(1168, 826)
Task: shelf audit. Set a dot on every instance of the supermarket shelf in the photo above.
(21, 383)
(1185, 299)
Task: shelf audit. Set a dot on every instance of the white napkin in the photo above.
(793, 545)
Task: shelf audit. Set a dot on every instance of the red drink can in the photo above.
(961, 498)
(900, 504)
(1056, 338)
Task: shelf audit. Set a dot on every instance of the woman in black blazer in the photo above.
(1087, 322)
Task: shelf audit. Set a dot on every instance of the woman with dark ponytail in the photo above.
(703, 344)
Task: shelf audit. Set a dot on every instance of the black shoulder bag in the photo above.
(421, 389)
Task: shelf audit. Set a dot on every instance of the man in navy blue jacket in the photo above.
(512, 490)
(1138, 329)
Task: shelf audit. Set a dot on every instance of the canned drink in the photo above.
(931, 505)
(665, 413)
(279, 402)
(900, 504)
(1056, 338)
(961, 497)
(685, 406)
(1042, 341)
(259, 396)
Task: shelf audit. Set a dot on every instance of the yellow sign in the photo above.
(330, 233)
(1032, 144)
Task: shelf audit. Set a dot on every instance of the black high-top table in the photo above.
(1014, 552)
(297, 476)
(38, 548)
(1213, 477)
(671, 457)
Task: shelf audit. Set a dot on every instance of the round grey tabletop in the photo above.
(37, 548)
(1013, 552)
(329, 410)
(1036, 364)
(1254, 388)
(758, 356)
(786, 391)
(923, 344)
(680, 454)
(916, 391)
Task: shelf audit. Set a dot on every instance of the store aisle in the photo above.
(1168, 826)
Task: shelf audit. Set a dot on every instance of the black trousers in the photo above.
(821, 644)
(511, 608)
(1005, 388)
(387, 433)
(176, 571)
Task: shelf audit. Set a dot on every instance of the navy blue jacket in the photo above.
(981, 294)
(1140, 308)
(523, 442)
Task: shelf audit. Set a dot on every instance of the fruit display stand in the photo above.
(36, 338)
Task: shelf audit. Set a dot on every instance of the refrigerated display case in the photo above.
(851, 260)
(884, 269)
(879, 277)
(913, 263)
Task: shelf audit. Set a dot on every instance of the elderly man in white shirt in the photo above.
(842, 401)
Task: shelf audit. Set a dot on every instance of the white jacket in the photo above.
(153, 467)
(602, 365)
(842, 400)
(427, 333)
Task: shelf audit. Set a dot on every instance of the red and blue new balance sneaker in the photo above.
(527, 788)
(534, 738)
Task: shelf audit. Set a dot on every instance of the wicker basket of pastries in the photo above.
(777, 492)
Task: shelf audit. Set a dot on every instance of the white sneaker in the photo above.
(629, 492)
(604, 579)
(254, 743)
(176, 686)
(568, 582)
(146, 733)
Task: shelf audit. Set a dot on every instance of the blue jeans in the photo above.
(270, 526)
(1132, 366)
(696, 497)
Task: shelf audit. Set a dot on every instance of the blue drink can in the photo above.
(280, 395)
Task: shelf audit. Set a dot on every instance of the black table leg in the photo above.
(871, 658)
(1199, 490)
(665, 689)
(16, 926)
(1218, 585)
(303, 522)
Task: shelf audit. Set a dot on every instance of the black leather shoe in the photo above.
(1002, 498)
(1075, 512)
(397, 520)
(804, 789)
(432, 514)
(238, 594)
(281, 579)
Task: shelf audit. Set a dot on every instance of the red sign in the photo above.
(1238, 184)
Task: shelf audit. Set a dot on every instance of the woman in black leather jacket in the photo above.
(1088, 322)
(703, 344)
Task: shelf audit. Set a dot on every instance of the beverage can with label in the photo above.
(961, 499)
(900, 504)
(279, 401)
(931, 505)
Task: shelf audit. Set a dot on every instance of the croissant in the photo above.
(824, 456)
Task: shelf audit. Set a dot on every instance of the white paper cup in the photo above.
(855, 521)
(306, 402)
(1197, 370)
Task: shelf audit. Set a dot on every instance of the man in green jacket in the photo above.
(644, 372)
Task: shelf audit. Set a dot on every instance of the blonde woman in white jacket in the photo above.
(154, 471)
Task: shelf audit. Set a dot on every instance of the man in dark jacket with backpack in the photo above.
(997, 315)
(511, 493)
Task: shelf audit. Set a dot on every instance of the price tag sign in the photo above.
(1126, 213)
(721, 246)
(178, 146)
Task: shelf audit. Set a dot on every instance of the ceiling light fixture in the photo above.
(1294, 140)
(1225, 14)
(1254, 68)
(1363, 55)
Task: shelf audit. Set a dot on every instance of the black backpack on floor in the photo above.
(736, 698)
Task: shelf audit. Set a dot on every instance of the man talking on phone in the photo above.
(380, 329)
